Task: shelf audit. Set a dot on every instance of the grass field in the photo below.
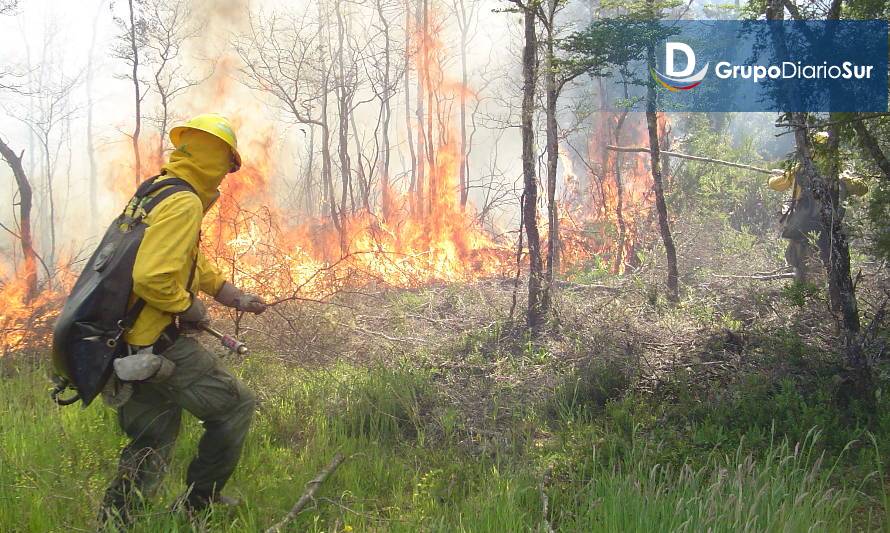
(764, 457)
(726, 412)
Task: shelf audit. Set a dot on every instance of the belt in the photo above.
(164, 342)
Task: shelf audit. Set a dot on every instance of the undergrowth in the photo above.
(758, 453)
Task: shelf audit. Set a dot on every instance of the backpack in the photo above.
(87, 336)
(801, 219)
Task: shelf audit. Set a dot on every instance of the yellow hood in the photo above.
(202, 160)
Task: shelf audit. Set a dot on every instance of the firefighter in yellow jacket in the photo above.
(801, 218)
(168, 273)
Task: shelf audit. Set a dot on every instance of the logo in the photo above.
(679, 80)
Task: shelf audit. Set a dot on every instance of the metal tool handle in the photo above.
(230, 342)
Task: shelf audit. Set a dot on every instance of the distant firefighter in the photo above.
(801, 219)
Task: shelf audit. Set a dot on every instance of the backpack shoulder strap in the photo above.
(164, 189)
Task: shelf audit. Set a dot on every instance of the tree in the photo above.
(655, 166)
(825, 190)
(168, 26)
(610, 45)
(466, 14)
(51, 110)
(535, 314)
(131, 42)
(286, 56)
(557, 73)
(91, 147)
(8, 7)
(23, 233)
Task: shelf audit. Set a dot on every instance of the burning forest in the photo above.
(365, 222)
(466, 242)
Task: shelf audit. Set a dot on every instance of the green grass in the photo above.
(621, 461)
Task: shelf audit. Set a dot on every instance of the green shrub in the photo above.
(381, 404)
(590, 388)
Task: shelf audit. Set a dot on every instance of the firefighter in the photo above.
(168, 272)
(801, 218)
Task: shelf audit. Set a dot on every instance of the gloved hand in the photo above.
(195, 316)
(231, 296)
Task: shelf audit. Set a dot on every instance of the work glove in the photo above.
(231, 296)
(195, 316)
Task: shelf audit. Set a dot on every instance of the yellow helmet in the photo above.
(214, 124)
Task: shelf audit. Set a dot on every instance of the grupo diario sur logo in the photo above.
(768, 66)
(675, 79)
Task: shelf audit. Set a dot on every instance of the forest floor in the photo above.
(725, 412)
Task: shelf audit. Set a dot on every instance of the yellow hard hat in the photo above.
(214, 124)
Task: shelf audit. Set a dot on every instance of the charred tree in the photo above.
(24, 230)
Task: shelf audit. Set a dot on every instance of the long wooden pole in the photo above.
(695, 158)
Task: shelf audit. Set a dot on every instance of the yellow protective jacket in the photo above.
(170, 246)
(851, 186)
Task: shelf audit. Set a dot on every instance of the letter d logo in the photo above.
(679, 80)
(670, 49)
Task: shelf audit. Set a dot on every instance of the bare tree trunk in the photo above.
(619, 198)
(423, 50)
(833, 242)
(364, 180)
(309, 187)
(464, 163)
(658, 186)
(530, 187)
(91, 148)
(553, 244)
(386, 110)
(343, 114)
(25, 238)
(870, 145)
(412, 185)
(135, 51)
(49, 170)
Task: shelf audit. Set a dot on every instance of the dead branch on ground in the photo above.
(311, 489)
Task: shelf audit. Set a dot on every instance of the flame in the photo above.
(407, 238)
(28, 310)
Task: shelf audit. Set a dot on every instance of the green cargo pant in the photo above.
(151, 418)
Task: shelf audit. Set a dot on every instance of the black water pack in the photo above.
(88, 334)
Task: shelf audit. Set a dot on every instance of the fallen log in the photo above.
(311, 488)
(696, 158)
